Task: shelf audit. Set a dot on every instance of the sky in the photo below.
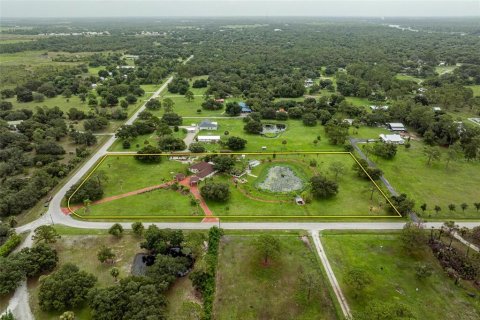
(229, 8)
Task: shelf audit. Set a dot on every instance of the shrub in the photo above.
(10, 245)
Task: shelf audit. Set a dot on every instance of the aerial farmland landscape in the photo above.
(218, 160)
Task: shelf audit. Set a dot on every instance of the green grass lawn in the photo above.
(246, 289)
(125, 174)
(162, 202)
(353, 198)
(81, 250)
(444, 69)
(359, 102)
(393, 273)
(475, 89)
(435, 184)
(408, 77)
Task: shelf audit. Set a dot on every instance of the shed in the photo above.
(208, 139)
(396, 126)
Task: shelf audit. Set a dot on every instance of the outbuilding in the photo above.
(392, 138)
(208, 139)
(396, 126)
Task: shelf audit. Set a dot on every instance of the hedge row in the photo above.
(204, 280)
(10, 245)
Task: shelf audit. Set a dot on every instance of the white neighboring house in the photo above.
(208, 139)
(13, 124)
(392, 138)
(208, 125)
(378, 108)
(437, 109)
(396, 126)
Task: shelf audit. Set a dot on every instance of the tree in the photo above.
(200, 83)
(413, 238)
(309, 120)
(337, 133)
(477, 206)
(223, 163)
(337, 168)
(310, 282)
(37, 259)
(165, 270)
(106, 254)
(196, 148)
(215, 192)
(403, 204)
(423, 207)
(11, 274)
(437, 209)
(114, 272)
(453, 153)
(358, 280)
(464, 206)
(254, 127)
(168, 105)
(45, 233)
(451, 207)
(160, 241)
(432, 154)
(322, 187)
(149, 154)
(138, 228)
(172, 119)
(233, 109)
(116, 230)
(91, 189)
(268, 247)
(8, 315)
(236, 143)
(153, 104)
(189, 96)
(66, 288)
(170, 143)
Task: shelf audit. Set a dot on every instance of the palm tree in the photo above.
(451, 207)
(477, 205)
(437, 209)
(464, 206)
(86, 204)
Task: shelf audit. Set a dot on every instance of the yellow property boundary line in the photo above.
(73, 212)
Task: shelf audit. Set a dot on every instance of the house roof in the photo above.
(179, 176)
(242, 104)
(208, 123)
(208, 137)
(391, 137)
(396, 125)
(203, 168)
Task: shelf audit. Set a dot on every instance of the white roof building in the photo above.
(392, 138)
(208, 138)
(379, 108)
(396, 126)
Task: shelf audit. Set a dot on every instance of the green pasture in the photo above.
(393, 275)
(248, 289)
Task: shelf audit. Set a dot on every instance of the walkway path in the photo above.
(465, 242)
(196, 193)
(331, 276)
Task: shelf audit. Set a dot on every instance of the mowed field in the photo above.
(353, 198)
(356, 197)
(247, 289)
(435, 184)
(296, 137)
(394, 278)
